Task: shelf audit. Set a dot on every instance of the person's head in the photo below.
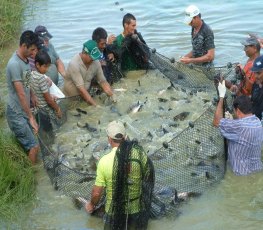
(42, 61)
(129, 23)
(251, 46)
(90, 51)
(43, 34)
(242, 106)
(28, 43)
(192, 16)
(258, 69)
(116, 133)
(100, 36)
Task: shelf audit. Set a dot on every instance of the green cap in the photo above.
(91, 48)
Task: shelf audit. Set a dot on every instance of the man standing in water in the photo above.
(203, 47)
(132, 51)
(244, 134)
(127, 175)
(18, 114)
(245, 75)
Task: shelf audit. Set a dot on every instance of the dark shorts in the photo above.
(132, 222)
(21, 128)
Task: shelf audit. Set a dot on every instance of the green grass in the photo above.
(17, 179)
(11, 16)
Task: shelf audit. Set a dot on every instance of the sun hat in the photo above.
(190, 12)
(91, 48)
(42, 32)
(116, 130)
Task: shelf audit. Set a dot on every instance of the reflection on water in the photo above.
(235, 203)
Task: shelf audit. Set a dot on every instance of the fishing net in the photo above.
(185, 166)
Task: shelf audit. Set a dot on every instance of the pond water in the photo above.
(237, 202)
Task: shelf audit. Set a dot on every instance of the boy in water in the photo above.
(46, 103)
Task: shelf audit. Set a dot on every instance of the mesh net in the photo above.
(185, 166)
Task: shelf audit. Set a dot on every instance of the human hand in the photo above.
(113, 98)
(89, 207)
(228, 115)
(111, 57)
(221, 89)
(33, 124)
(59, 112)
(111, 39)
(186, 60)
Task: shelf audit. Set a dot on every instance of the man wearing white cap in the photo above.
(127, 175)
(203, 47)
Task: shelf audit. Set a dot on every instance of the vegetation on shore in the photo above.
(17, 186)
(17, 179)
(11, 16)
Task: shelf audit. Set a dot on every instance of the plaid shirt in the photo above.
(245, 137)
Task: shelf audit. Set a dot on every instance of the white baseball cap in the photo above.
(190, 12)
(116, 130)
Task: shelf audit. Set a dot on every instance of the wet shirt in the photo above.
(52, 70)
(202, 41)
(257, 100)
(245, 138)
(127, 61)
(17, 70)
(104, 179)
(78, 75)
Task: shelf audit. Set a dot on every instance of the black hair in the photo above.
(29, 38)
(243, 103)
(258, 47)
(42, 58)
(99, 33)
(127, 19)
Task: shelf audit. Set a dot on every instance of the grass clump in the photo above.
(11, 17)
(17, 180)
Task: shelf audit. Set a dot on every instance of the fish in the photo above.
(181, 116)
(87, 126)
(120, 90)
(135, 107)
(115, 110)
(81, 111)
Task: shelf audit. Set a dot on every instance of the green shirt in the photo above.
(127, 61)
(104, 178)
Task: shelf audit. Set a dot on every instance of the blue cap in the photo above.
(258, 64)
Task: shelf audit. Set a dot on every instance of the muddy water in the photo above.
(237, 202)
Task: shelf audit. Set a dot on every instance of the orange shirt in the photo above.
(247, 83)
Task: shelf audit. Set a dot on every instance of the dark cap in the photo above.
(250, 42)
(258, 64)
(42, 32)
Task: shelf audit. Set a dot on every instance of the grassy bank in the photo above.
(11, 16)
(17, 186)
(17, 180)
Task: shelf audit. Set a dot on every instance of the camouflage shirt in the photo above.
(202, 41)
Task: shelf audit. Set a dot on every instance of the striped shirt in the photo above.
(39, 86)
(245, 137)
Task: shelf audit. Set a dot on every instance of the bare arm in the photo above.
(50, 101)
(205, 58)
(219, 112)
(23, 102)
(86, 96)
(61, 67)
(96, 194)
(106, 88)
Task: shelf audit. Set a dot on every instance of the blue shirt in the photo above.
(245, 137)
